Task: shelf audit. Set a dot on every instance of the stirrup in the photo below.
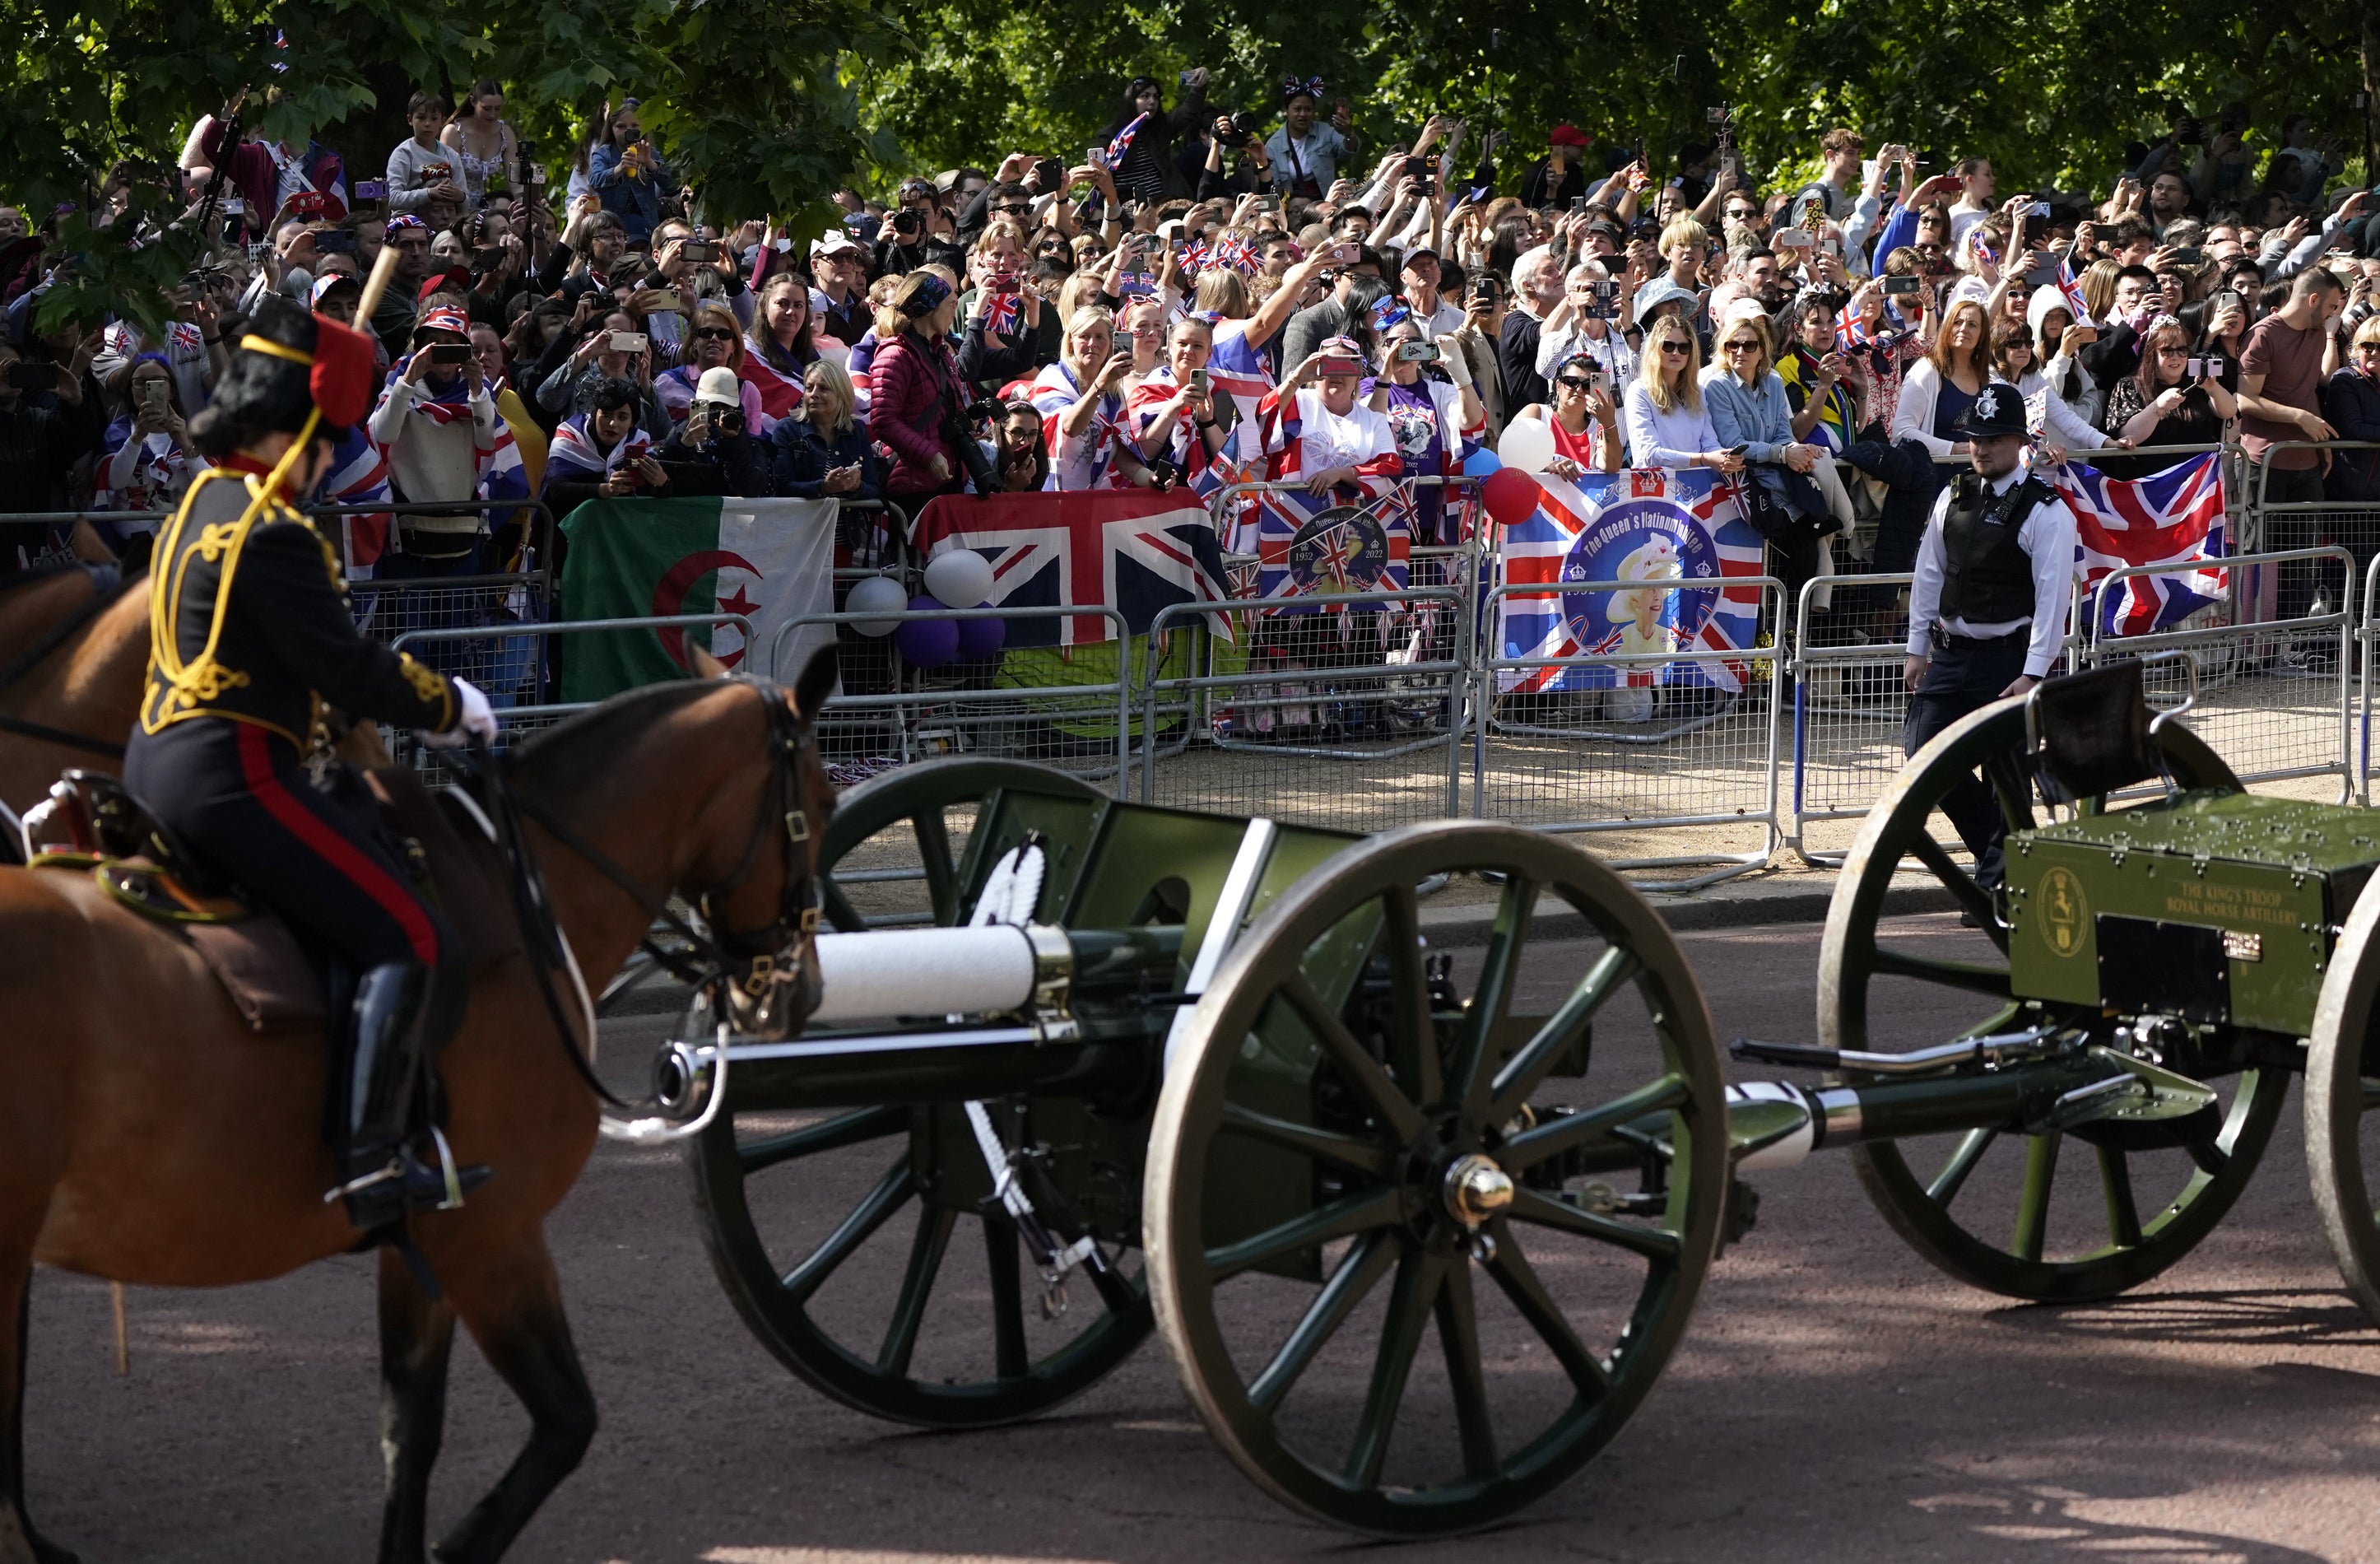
(453, 1178)
(395, 1170)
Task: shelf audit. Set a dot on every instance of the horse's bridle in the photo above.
(759, 968)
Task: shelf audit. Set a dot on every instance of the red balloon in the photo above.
(1512, 495)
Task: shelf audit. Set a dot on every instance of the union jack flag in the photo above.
(2173, 518)
(1123, 143)
(1135, 550)
(1197, 256)
(1365, 547)
(2074, 291)
(358, 475)
(1651, 535)
(1234, 250)
(1002, 313)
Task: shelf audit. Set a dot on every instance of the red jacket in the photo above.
(915, 385)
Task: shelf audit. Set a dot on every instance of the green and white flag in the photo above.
(768, 561)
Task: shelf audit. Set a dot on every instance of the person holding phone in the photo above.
(1583, 417)
(627, 176)
(1081, 400)
(1143, 167)
(1319, 436)
(146, 451)
(1173, 414)
(1307, 154)
(1586, 322)
(1424, 390)
(2171, 399)
(610, 346)
(436, 423)
(601, 453)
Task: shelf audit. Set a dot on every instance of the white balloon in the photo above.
(1527, 444)
(877, 594)
(960, 578)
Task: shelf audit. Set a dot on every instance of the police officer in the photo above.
(1987, 612)
(250, 639)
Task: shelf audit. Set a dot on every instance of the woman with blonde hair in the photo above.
(918, 395)
(713, 340)
(823, 452)
(1667, 425)
(1080, 399)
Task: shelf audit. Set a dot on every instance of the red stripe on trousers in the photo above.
(256, 769)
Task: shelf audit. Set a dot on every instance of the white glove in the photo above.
(478, 720)
(1456, 363)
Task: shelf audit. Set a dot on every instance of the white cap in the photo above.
(719, 386)
(835, 242)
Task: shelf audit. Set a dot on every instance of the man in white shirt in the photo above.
(1437, 315)
(1987, 611)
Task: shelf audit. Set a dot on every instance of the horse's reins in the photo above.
(31, 657)
(756, 950)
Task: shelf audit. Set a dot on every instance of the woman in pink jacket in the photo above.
(918, 399)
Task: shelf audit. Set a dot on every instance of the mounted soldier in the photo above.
(251, 641)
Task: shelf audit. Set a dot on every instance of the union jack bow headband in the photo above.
(403, 220)
(1389, 314)
(1291, 87)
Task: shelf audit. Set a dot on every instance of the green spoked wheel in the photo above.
(2342, 1089)
(917, 803)
(2047, 1217)
(1355, 1154)
(861, 1246)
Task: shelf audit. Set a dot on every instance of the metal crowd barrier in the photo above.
(1317, 718)
(1574, 761)
(2273, 695)
(524, 719)
(1085, 728)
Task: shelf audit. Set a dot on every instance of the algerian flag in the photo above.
(769, 561)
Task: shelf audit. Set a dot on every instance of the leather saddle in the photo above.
(90, 824)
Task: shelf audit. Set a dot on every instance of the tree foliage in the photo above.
(771, 105)
(2050, 91)
(750, 98)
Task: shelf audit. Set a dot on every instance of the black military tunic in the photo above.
(250, 636)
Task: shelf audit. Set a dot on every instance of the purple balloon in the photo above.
(926, 644)
(982, 638)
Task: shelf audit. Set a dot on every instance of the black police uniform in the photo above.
(250, 639)
(1982, 611)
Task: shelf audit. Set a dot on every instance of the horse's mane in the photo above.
(590, 741)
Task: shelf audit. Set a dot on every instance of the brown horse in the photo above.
(148, 1136)
(72, 657)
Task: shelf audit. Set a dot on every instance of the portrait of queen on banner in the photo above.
(1631, 563)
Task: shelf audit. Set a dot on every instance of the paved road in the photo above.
(1836, 1398)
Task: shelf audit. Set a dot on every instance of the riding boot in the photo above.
(379, 1084)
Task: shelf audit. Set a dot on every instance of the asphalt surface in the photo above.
(1835, 1398)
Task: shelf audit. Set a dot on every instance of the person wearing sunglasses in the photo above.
(1786, 501)
(712, 341)
(1669, 422)
(1583, 417)
(2351, 405)
(2162, 403)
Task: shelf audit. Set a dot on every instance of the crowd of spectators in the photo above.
(1131, 316)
